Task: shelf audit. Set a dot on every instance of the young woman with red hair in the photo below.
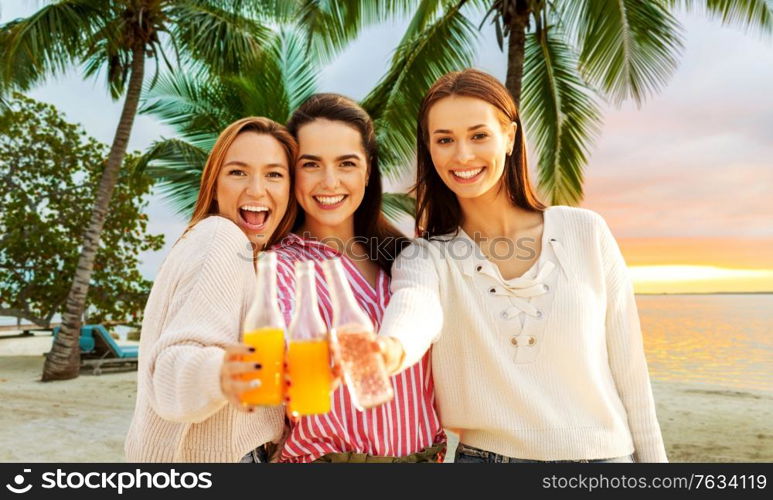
(188, 407)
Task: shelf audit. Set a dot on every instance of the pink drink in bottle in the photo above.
(362, 365)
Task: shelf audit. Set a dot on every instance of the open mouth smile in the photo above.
(254, 217)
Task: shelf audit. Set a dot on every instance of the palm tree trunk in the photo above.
(63, 362)
(516, 45)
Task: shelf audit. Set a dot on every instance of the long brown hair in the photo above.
(206, 204)
(369, 222)
(438, 211)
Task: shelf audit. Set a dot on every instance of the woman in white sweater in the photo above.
(536, 345)
(188, 407)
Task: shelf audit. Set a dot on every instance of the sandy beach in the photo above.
(86, 419)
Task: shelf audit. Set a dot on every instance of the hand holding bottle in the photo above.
(362, 365)
(263, 330)
(233, 372)
(393, 353)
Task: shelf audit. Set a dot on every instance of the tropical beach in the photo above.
(87, 418)
(702, 420)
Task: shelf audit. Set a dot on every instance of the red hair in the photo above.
(206, 204)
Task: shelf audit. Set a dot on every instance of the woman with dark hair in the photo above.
(338, 188)
(190, 365)
(536, 345)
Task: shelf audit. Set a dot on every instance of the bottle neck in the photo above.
(346, 310)
(265, 307)
(307, 323)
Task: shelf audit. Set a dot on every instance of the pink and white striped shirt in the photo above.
(407, 424)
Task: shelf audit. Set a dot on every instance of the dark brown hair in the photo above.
(206, 204)
(438, 211)
(384, 241)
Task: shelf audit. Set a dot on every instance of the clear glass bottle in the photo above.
(308, 355)
(362, 365)
(264, 329)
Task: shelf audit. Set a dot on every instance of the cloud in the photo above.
(693, 162)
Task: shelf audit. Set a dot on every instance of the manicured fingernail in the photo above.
(258, 366)
(254, 384)
(251, 349)
(251, 410)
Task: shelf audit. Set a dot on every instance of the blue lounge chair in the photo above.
(100, 352)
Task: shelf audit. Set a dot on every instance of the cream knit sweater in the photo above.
(548, 366)
(195, 309)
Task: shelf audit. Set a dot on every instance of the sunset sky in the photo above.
(685, 182)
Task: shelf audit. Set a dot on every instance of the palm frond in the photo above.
(191, 102)
(330, 25)
(396, 205)
(446, 45)
(424, 15)
(180, 189)
(199, 104)
(276, 11)
(45, 43)
(628, 48)
(560, 114)
(176, 165)
(281, 78)
(299, 72)
(172, 154)
(754, 15)
(226, 41)
(105, 50)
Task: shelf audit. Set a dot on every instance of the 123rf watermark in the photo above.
(118, 482)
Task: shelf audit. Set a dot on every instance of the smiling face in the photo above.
(331, 173)
(468, 144)
(253, 185)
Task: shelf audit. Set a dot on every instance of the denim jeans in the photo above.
(469, 455)
(257, 456)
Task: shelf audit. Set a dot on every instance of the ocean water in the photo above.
(724, 340)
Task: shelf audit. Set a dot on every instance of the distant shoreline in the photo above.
(11, 321)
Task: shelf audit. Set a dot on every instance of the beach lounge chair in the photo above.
(100, 352)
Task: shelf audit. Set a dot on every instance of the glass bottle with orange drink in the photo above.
(264, 330)
(361, 363)
(308, 354)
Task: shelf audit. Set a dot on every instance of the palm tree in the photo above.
(198, 104)
(119, 36)
(562, 57)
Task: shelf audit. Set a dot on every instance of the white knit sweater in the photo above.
(547, 366)
(195, 309)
